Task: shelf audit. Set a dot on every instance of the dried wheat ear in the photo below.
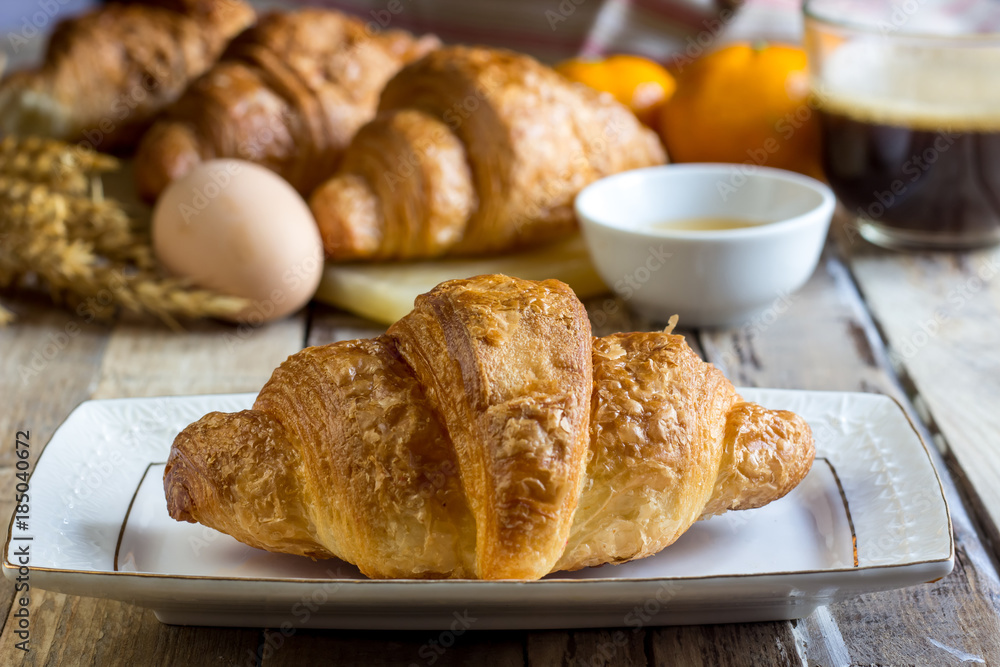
(58, 231)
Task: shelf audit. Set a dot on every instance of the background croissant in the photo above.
(486, 434)
(474, 151)
(107, 73)
(288, 94)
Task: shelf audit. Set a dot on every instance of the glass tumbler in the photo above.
(908, 94)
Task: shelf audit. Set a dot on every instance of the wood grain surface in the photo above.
(131, 358)
(939, 314)
(826, 340)
(822, 337)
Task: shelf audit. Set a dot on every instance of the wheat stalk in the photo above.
(61, 166)
(56, 225)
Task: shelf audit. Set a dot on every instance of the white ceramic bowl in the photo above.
(708, 278)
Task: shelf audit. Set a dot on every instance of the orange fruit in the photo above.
(638, 83)
(744, 104)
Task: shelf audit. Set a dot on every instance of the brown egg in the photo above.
(237, 228)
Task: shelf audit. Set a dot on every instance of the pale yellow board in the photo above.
(385, 292)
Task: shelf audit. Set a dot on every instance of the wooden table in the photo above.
(922, 328)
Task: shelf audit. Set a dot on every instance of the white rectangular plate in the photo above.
(870, 516)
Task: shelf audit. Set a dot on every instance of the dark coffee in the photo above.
(917, 181)
(910, 114)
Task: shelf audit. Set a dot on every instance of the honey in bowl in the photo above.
(703, 224)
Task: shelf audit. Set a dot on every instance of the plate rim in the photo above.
(11, 569)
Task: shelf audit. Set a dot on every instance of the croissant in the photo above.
(107, 73)
(474, 151)
(288, 94)
(485, 435)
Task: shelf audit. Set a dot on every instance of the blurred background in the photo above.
(550, 30)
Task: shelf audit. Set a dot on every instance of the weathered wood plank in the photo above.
(328, 325)
(745, 645)
(614, 647)
(548, 647)
(144, 359)
(941, 316)
(610, 314)
(782, 354)
(824, 339)
(443, 649)
(49, 364)
(70, 630)
(817, 338)
(7, 482)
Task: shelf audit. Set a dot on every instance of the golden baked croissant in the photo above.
(487, 435)
(288, 94)
(474, 151)
(107, 73)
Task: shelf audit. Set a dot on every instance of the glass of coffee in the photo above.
(909, 99)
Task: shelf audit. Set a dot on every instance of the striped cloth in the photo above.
(934, 17)
(665, 30)
(551, 30)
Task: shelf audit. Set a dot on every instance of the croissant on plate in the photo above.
(485, 435)
(474, 151)
(107, 73)
(288, 94)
